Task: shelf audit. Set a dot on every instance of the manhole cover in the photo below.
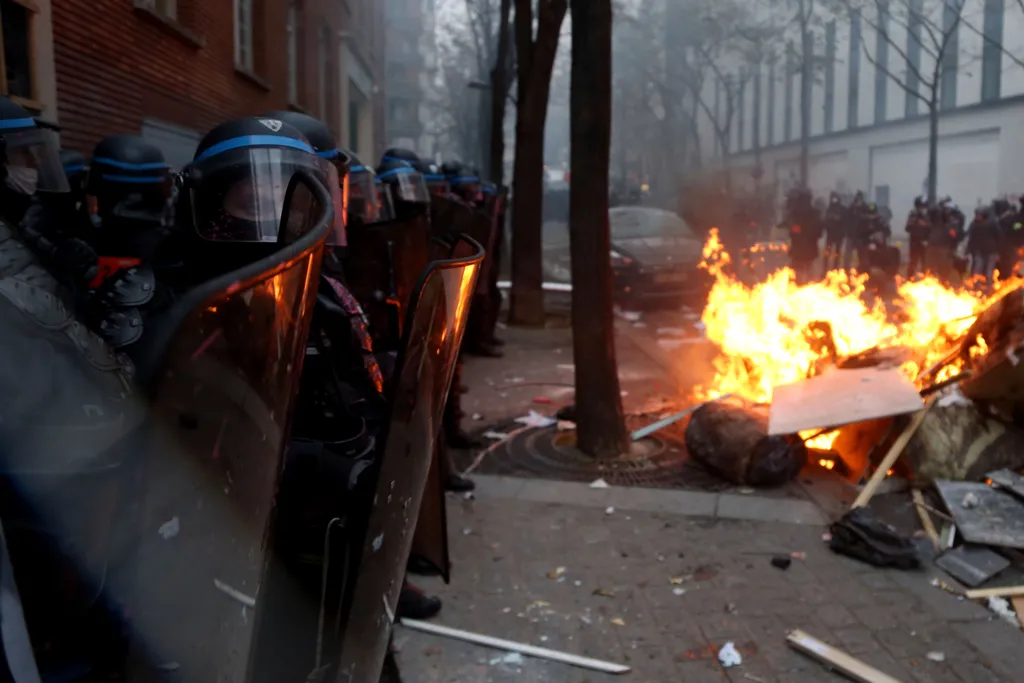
(659, 461)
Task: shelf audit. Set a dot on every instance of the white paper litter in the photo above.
(566, 425)
(497, 436)
(936, 657)
(513, 658)
(609, 510)
(953, 397)
(728, 655)
(535, 419)
(599, 484)
(170, 528)
(1001, 606)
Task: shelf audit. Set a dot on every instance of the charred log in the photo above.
(732, 441)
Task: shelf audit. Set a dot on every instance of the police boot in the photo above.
(415, 604)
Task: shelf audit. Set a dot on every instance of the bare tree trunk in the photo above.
(600, 424)
(535, 62)
(933, 147)
(806, 82)
(499, 95)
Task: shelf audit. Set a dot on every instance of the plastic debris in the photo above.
(970, 501)
(566, 425)
(618, 622)
(676, 580)
(604, 592)
(599, 484)
(728, 655)
(796, 555)
(535, 419)
(936, 657)
(512, 658)
(609, 510)
(1001, 606)
(170, 528)
(678, 591)
(497, 436)
(558, 571)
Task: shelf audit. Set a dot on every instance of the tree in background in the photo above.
(502, 75)
(600, 426)
(536, 40)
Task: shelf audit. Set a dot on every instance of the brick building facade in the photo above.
(173, 69)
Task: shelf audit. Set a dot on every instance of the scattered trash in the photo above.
(246, 600)
(609, 510)
(834, 658)
(512, 658)
(170, 528)
(497, 436)
(676, 580)
(477, 416)
(970, 501)
(678, 591)
(629, 316)
(558, 571)
(858, 534)
(935, 657)
(565, 426)
(728, 655)
(798, 555)
(781, 562)
(604, 592)
(577, 582)
(618, 622)
(599, 484)
(942, 585)
(730, 608)
(535, 419)
(468, 495)
(1001, 606)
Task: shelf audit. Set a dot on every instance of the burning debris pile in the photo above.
(820, 361)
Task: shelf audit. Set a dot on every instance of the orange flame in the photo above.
(761, 330)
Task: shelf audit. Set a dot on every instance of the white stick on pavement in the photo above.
(511, 646)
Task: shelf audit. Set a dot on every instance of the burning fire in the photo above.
(776, 331)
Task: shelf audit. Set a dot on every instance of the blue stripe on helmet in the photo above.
(126, 166)
(254, 141)
(16, 123)
(435, 176)
(399, 160)
(397, 171)
(133, 179)
(357, 169)
(74, 167)
(466, 179)
(328, 153)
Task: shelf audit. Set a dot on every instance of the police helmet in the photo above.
(920, 202)
(437, 182)
(130, 178)
(404, 181)
(364, 196)
(336, 164)
(235, 188)
(29, 158)
(401, 154)
(76, 168)
(464, 181)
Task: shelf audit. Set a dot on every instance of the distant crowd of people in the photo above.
(857, 234)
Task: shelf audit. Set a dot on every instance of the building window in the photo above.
(787, 117)
(771, 101)
(166, 8)
(881, 61)
(992, 54)
(740, 102)
(757, 106)
(17, 61)
(853, 101)
(950, 54)
(243, 35)
(293, 53)
(830, 75)
(913, 55)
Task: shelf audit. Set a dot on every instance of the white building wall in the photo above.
(866, 103)
(896, 93)
(842, 67)
(1013, 43)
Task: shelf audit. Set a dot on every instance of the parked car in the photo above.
(655, 257)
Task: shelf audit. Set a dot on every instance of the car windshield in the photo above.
(633, 223)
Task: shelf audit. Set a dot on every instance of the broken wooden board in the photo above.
(849, 666)
(841, 397)
(1009, 481)
(996, 518)
(972, 565)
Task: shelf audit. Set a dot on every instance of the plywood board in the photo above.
(989, 516)
(841, 397)
(834, 658)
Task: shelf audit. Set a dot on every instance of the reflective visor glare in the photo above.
(38, 150)
(362, 197)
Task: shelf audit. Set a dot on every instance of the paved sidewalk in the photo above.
(616, 599)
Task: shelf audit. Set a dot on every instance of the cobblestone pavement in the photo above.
(616, 599)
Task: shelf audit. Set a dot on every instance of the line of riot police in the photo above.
(225, 396)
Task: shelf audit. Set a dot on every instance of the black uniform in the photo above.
(835, 231)
(983, 241)
(805, 228)
(918, 228)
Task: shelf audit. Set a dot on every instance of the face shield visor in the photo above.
(385, 204)
(238, 195)
(437, 184)
(407, 185)
(337, 186)
(363, 203)
(467, 187)
(33, 162)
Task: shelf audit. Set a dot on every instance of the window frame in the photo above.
(245, 58)
(32, 101)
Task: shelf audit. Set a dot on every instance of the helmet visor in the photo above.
(239, 195)
(385, 203)
(363, 204)
(338, 189)
(33, 162)
(407, 185)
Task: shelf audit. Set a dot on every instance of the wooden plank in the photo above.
(1018, 607)
(926, 520)
(894, 453)
(841, 397)
(1004, 592)
(851, 667)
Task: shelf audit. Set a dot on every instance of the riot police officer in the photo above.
(856, 237)
(918, 227)
(835, 231)
(76, 168)
(983, 239)
(804, 222)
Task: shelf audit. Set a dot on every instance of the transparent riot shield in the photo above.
(382, 266)
(222, 400)
(431, 340)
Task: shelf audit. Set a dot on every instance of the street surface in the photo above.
(662, 579)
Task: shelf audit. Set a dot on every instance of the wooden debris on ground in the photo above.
(848, 665)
